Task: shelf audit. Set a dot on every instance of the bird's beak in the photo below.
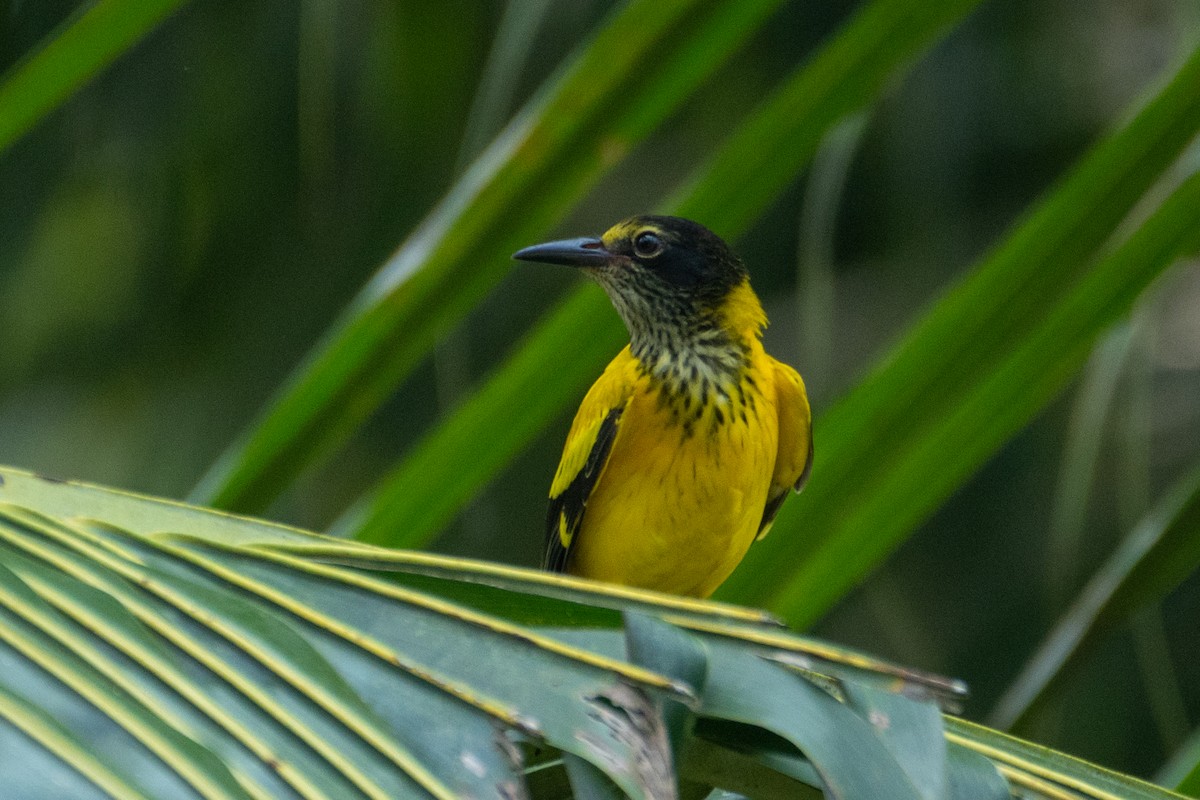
(568, 252)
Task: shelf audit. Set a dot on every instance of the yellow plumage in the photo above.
(683, 449)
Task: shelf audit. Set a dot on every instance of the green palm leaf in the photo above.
(71, 57)
(152, 649)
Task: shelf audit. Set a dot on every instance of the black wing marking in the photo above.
(771, 509)
(804, 473)
(566, 510)
(774, 503)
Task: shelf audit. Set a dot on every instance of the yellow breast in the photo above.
(683, 493)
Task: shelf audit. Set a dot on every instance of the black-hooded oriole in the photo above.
(684, 449)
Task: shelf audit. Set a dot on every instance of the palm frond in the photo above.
(154, 649)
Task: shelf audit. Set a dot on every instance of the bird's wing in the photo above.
(584, 458)
(793, 462)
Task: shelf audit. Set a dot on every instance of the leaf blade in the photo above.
(71, 58)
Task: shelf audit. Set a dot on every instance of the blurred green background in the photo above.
(178, 235)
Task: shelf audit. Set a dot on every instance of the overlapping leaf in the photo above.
(71, 57)
(152, 649)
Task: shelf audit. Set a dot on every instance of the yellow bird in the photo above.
(684, 449)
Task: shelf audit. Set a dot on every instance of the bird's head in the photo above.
(665, 275)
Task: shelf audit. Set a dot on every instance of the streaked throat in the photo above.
(701, 375)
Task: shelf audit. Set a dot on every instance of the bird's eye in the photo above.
(647, 244)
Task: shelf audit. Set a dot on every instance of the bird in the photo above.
(686, 446)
